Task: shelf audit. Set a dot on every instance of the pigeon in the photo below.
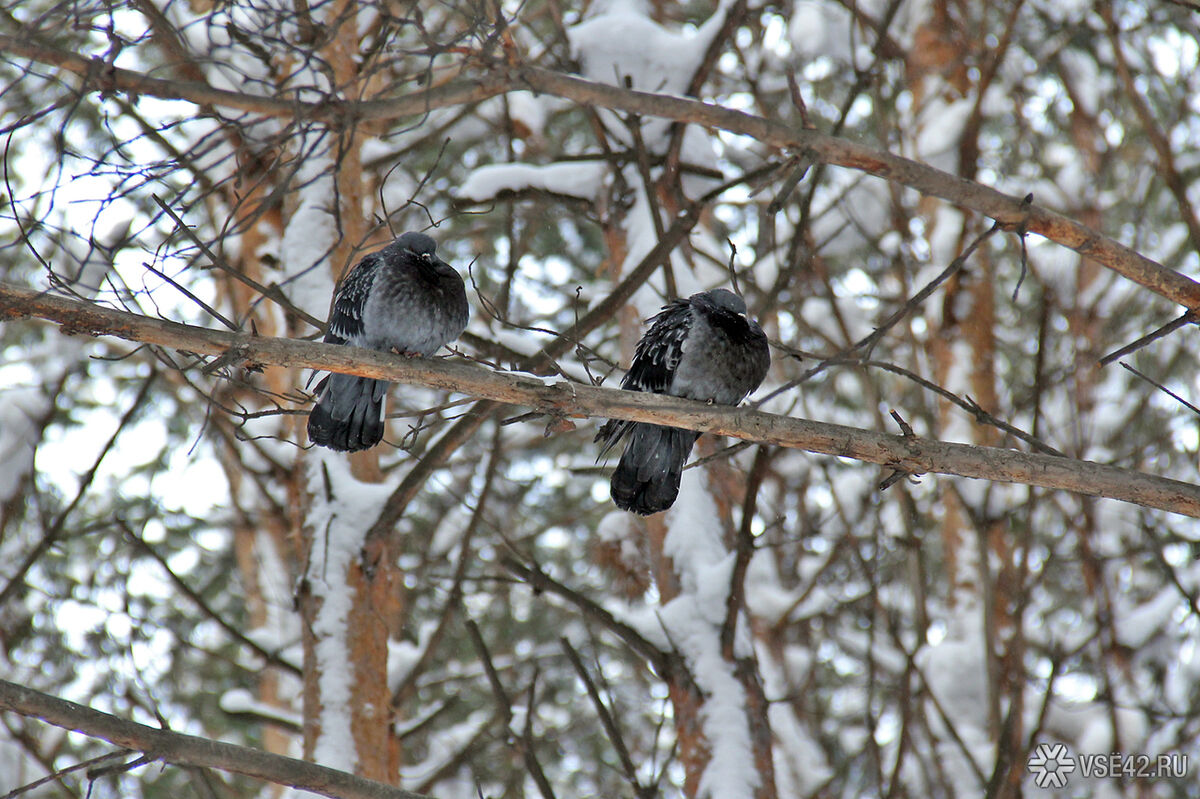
(702, 348)
(403, 297)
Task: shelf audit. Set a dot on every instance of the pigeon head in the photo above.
(420, 249)
(416, 244)
(723, 300)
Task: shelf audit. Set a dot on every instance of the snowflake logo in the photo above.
(1051, 765)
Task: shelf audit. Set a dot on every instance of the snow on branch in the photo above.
(498, 77)
(1012, 212)
(559, 399)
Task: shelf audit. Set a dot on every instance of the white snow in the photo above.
(450, 532)
(693, 621)
(339, 524)
(309, 238)
(91, 260)
(620, 42)
(956, 671)
(940, 130)
(526, 109)
(850, 207)
(239, 700)
(616, 527)
(570, 178)
(1064, 12)
(766, 598)
(944, 234)
(1088, 726)
(819, 28)
(404, 655)
(1136, 626)
(21, 409)
(1086, 80)
(694, 536)
(800, 764)
(19, 767)
(442, 748)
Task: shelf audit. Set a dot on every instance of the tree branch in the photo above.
(1010, 212)
(100, 76)
(192, 750)
(498, 77)
(910, 454)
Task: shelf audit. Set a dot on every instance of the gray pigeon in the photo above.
(702, 348)
(404, 298)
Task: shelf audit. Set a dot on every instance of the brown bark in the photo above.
(376, 602)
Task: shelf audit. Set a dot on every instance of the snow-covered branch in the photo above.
(500, 77)
(559, 399)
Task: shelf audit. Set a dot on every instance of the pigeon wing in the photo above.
(346, 319)
(654, 363)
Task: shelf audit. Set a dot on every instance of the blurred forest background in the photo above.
(173, 554)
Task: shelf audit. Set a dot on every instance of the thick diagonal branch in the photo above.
(499, 77)
(192, 750)
(556, 397)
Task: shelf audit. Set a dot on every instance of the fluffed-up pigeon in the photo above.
(703, 348)
(403, 297)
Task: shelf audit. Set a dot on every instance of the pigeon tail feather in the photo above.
(647, 478)
(349, 414)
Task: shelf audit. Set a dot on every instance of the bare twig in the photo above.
(1170, 327)
(376, 540)
(736, 599)
(540, 581)
(237, 635)
(453, 601)
(60, 773)
(606, 717)
(56, 527)
(1163, 389)
(524, 743)
(272, 293)
(868, 342)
